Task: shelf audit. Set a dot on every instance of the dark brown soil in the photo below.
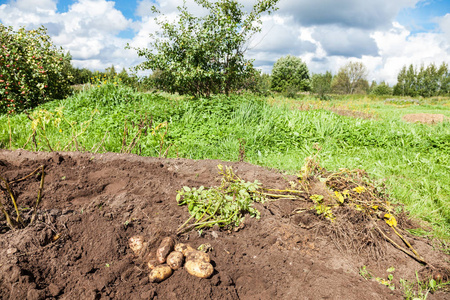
(425, 118)
(92, 204)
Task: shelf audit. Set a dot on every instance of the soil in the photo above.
(92, 204)
(425, 118)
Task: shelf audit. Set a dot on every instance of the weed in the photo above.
(420, 289)
(365, 273)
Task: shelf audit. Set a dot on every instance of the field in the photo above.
(410, 160)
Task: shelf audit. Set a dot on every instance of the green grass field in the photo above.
(412, 159)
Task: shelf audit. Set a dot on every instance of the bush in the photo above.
(32, 70)
(290, 73)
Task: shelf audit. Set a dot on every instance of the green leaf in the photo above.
(433, 284)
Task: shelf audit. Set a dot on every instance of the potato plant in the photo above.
(32, 69)
(224, 205)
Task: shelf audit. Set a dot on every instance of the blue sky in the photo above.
(422, 17)
(326, 34)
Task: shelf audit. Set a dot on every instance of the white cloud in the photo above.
(37, 6)
(88, 29)
(399, 48)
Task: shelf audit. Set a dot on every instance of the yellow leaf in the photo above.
(375, 207)
(390, 220)
(316, 198)
(339, 197)
(359, 189)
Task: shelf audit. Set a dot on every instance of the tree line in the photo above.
(193, 55)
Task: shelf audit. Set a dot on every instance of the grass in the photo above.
(412, 159)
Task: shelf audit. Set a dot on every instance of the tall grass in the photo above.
(412, 159)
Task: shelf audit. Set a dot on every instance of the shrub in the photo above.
(290, 73)
(32, 70)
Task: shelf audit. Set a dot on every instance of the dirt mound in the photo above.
(425, 118)
(92, 204)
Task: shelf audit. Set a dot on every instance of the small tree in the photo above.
(205, 55)
(321, 84)
(290, 73)
(351, 79)
(32, 69)
(110, 72)
(381, 89)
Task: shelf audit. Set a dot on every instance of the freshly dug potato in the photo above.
(160, 273)
(180, 247)
(152, 262)
(175, 260)
(164, 249)
(199, 268)
(197, 255)
(137, 244)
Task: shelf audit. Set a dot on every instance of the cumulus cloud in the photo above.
(444, 25)
(88, 29)
(348, 42)
(398, 48)
(279, 37)
(368, 14)
(37, 6)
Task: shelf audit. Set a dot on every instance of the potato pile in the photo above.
(170, 257)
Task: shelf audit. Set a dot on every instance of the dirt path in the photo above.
(92, 204)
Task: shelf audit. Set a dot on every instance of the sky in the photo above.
(385, 35)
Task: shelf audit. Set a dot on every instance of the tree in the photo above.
(110, 72)
(321, 84)
(381, 89)
(427, 81)
(32, 69)
(290, 72)
(444, 79)
(351, 79)
(205, 55)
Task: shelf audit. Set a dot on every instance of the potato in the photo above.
(197, 255)
(199, 268)
(160, 273)
(151, 260)
(180, 247)
(175, 260)
(152, 264)
(164, 249)
(137, 244)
